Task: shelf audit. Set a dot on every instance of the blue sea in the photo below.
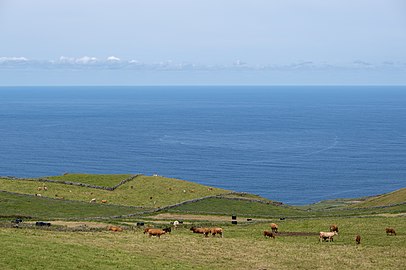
(297, 145)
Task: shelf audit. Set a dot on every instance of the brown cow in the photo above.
(156, 232)
(215, 231)
(147, 229)
(115, 228)
(390, 231)
(334, 228)
(358, 239)
(269, 234)
(204, 231)
(274, 227)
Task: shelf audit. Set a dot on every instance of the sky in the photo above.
(202, 42)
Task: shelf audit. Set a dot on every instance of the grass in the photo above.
(145, 191)
(243, 247)
(395, 197)
(104, 180)
(48, 209)
(224, 206)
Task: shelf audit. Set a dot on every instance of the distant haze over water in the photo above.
(297, 145)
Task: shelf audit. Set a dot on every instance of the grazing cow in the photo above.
(115, 228)
(41, 223)
(38, 195)
(269, 234)
(147, 229)
(103, 201)
(167, 229)
(274, 227)
(358, 239)
(156, 232)
(45, 188)
(93, 200)
(390, 231)
(17, 220)
(175, 224)
(39, 188)
(204, 231)
(327, 236)
(334, 228)
(215, 231)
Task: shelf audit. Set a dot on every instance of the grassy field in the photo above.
(48, 209)
(243, 247)
(145, 191)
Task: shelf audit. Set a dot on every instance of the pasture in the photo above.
(79, 239)
(243, 247)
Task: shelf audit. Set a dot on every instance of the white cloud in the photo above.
(113, 59)
(13, 59)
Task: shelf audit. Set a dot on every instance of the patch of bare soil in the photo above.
(297, 234)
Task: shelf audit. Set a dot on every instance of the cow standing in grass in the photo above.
(274, 227)
(327, 236)
(269, 234)
(390, 231)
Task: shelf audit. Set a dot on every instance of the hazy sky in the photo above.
(258, 32)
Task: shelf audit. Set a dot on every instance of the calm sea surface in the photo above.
(293, 144)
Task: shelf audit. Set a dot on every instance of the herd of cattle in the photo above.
(206, 231)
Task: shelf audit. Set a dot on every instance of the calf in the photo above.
(334, 228)
(358, 239)
(274, 227)
(269, 234)
(390, 231)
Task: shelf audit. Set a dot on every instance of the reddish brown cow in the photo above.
(269, 234)
(215, 231)
(358, 239)
(204, 231)
(156, 232)
(115, 228)
(334, 228)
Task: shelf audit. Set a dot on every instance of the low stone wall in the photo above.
(132, 177)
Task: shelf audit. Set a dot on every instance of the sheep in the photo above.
(269, 234)
(175, 224)
(390, 231)
(274, 227)
(45, 188)
(327, 236)
(333, 228)
(358, 239)
(215, 231)
(39, 188)
(156, 232)
(204, 231)
(38, 195)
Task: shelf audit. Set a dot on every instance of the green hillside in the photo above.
(145, 191)
(395, 197)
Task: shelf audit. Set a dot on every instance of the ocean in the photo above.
(295, 144)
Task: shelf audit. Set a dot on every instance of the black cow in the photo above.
(41, 223)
